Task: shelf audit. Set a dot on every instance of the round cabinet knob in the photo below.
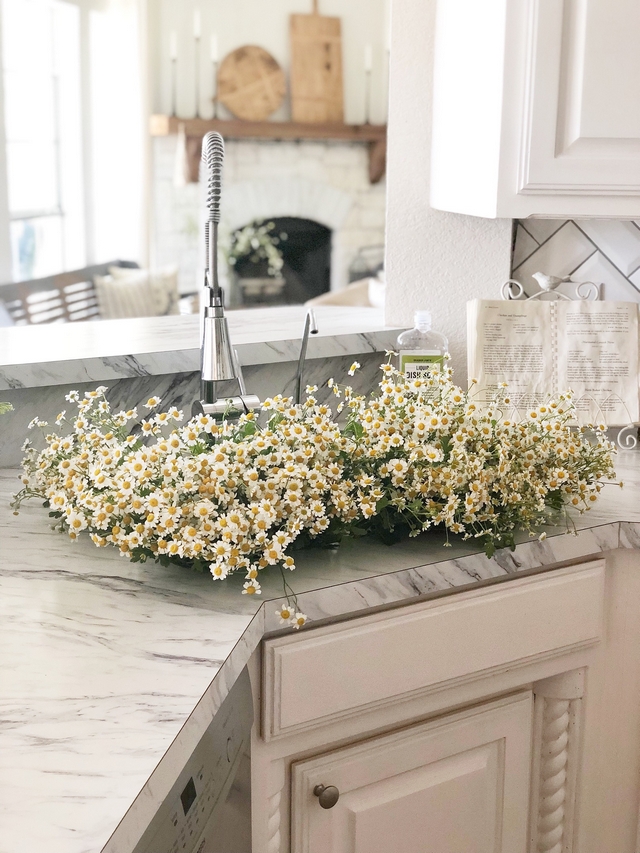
(327, 796)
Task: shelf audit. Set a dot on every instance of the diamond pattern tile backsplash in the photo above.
(605, 251)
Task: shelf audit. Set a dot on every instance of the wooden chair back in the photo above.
(63, 298)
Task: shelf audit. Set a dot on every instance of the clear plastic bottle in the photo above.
(420, 349)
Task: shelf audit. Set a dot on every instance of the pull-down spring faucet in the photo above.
(222, 385)
(223, 391)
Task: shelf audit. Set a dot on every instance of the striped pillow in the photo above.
(127, 297)
(129, 292)
(164, 284)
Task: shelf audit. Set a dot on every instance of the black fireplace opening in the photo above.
(306, 255)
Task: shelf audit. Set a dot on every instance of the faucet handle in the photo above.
(227, 408)
(310, 327)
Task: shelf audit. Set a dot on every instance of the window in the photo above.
(74, 122)
(43, 131)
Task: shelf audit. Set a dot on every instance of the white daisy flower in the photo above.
(285, 613)
(251, 587)
(298, 620)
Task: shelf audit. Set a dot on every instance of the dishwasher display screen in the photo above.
(188, 795)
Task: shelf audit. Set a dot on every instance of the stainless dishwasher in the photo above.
(209, 807)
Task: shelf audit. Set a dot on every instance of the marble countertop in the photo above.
(34, 356)
(112, 671)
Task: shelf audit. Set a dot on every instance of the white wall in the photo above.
(435, 260)
(265, 23)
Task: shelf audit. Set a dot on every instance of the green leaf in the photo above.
(275, 419)
(355, 429)
(489, 548)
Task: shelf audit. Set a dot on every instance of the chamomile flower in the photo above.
(251, 587)
(285, 613)
(218, 571)
(298, 620)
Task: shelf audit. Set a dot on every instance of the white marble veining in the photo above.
(111, 671)
(36, 356)
(176, 389)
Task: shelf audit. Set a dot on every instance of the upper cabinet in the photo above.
(536, 108)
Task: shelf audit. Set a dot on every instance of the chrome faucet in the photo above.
(222, 388)
(222, 391)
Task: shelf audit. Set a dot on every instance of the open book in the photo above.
(545, 348)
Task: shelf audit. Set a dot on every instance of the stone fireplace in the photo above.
(306, 254)
(324, 182)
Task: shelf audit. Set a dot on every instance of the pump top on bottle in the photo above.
(421, 350)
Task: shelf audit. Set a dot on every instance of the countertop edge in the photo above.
(360, 336)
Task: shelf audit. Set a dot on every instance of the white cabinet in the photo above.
(536, 108)
(459, 783)
(448, 726)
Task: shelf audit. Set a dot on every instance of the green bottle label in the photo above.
(417, 364)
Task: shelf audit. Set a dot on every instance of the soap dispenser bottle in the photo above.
(420, 349)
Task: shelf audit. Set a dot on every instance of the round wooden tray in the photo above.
(251, 84)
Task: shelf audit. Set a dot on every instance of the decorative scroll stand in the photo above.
(586, 291)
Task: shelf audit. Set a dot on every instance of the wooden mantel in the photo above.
(195, 128)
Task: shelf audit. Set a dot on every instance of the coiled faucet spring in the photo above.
(213, 157)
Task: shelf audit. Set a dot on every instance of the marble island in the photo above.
(160, 356)
(107, 350)
(112, 671)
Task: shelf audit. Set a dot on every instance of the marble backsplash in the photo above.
(604, 251)
(179, 389)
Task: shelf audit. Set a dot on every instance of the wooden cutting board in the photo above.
(251, 84)
(316, 68)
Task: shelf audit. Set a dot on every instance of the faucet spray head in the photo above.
(213, 157)
(217, 357)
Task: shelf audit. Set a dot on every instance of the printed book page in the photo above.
(598, 359)
(510, 341)
(543, 348)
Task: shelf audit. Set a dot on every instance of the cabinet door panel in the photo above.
(458, 784)
(584, 118)
(472, 780)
